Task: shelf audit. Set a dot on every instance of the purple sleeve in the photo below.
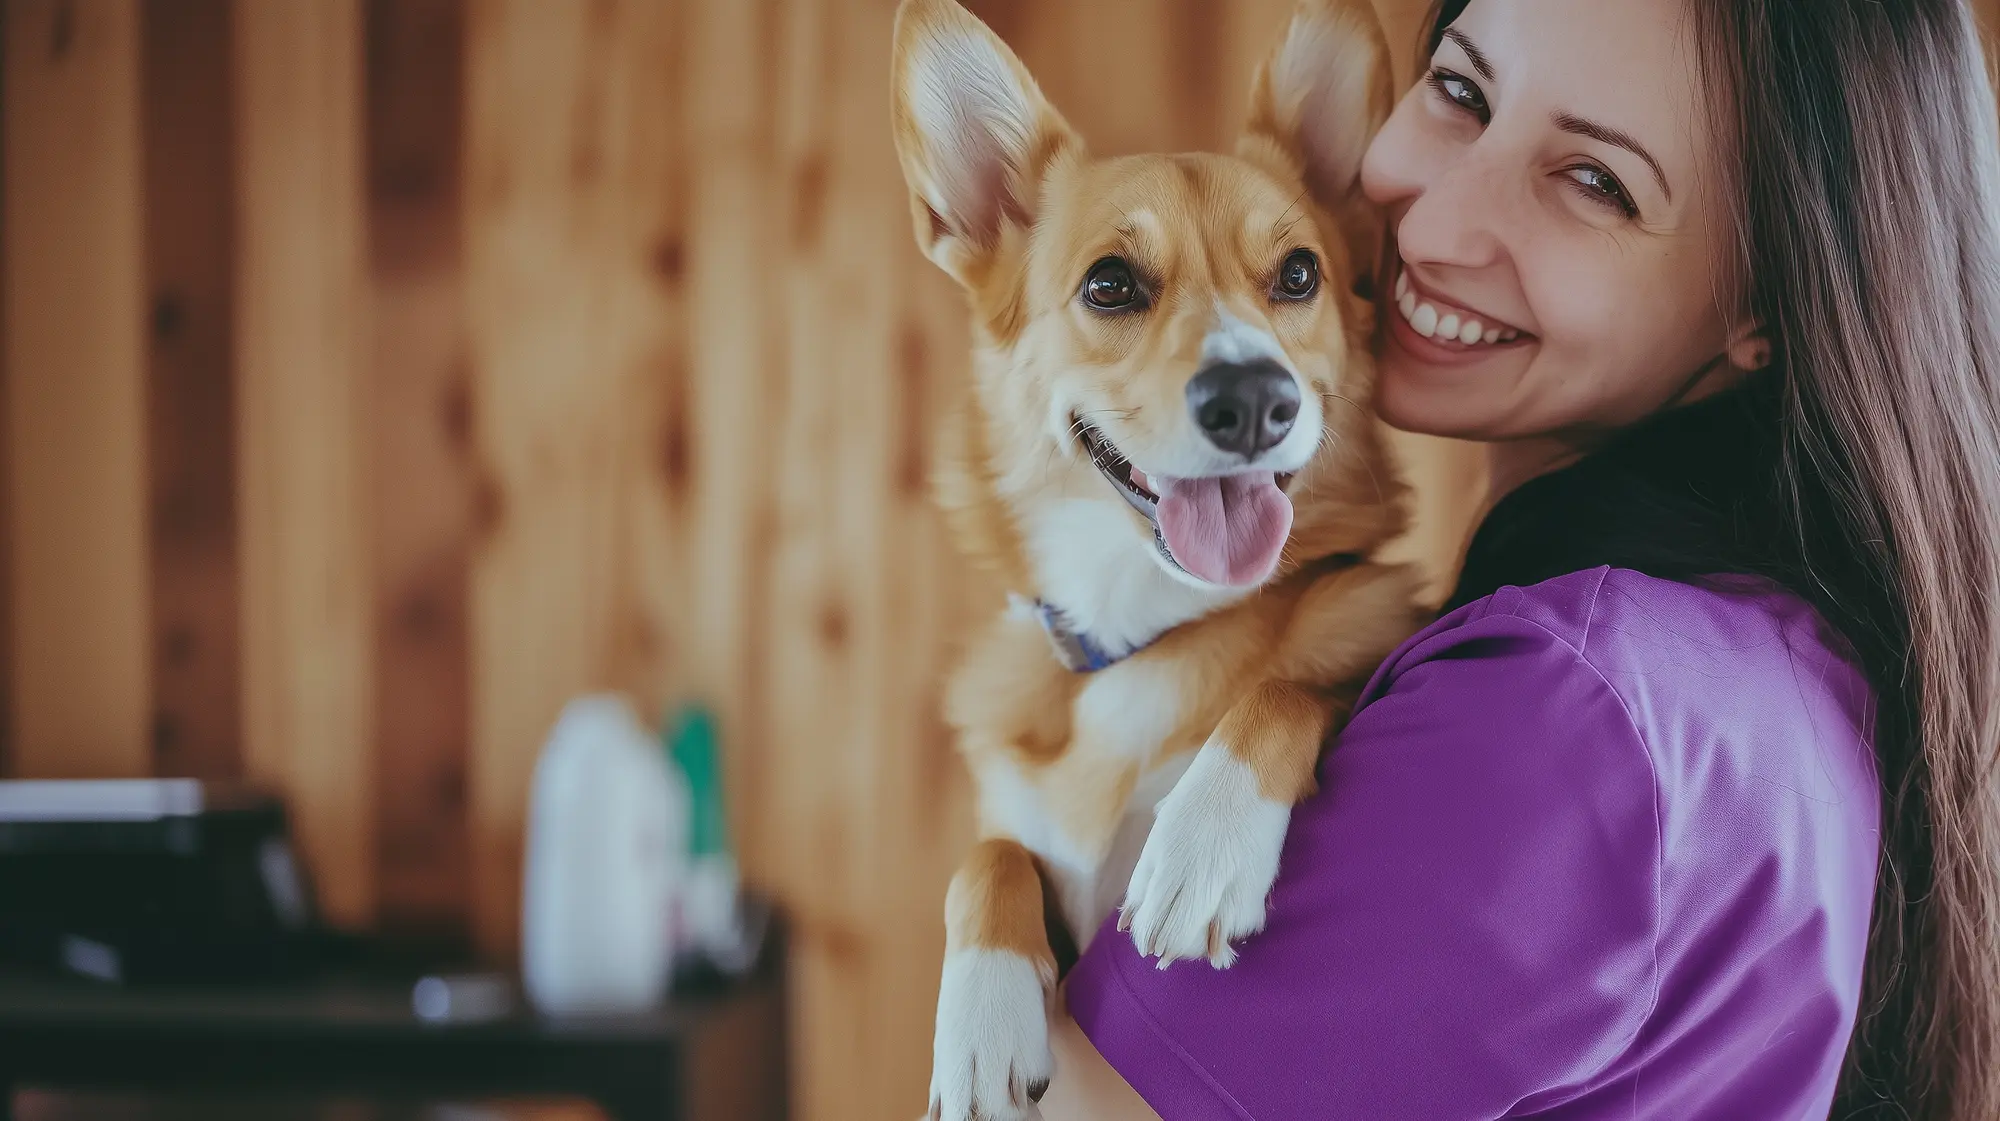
(1465, 919)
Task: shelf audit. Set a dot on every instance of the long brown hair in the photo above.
(1866, 183)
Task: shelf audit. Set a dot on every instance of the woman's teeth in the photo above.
(1448, 327)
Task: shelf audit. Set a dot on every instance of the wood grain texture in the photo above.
(75, 362)
(190, 398)
(862, 812)
(819, 355)
(420, 432)
(300, 362)
(572, 188)
(740, 215)
(7, 682)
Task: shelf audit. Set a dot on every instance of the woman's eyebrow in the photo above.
(1479, 60)
(1616, 138)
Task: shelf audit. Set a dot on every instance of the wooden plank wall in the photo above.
(571, 194)
(301, 330)
(189, 189)
(422, 484)
(75, 386)
(451, 357)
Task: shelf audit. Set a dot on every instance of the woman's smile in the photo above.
(1430, 327)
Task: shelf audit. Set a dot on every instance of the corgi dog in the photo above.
(1168, 459)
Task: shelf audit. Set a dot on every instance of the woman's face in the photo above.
(1565, 263)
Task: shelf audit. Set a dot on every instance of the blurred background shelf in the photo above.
(715, 1053)
(37, 1105)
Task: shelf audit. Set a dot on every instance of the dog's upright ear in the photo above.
(1318, 101)
(973, 132)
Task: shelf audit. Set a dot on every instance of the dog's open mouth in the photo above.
(1227, 529)
(1128, 479)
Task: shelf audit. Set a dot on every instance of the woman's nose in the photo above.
(1457, 218)
(1449, 193)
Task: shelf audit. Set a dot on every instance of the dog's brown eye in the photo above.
(1298, 277)
(1110, 285)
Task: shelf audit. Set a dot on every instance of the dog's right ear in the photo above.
(973, 132)
(1318, 101)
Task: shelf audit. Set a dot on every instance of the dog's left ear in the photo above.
(1318, 101)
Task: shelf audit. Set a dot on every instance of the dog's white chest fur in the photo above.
(1106, 889)
(1106, 578)
(1090, 888)
(1109, 585)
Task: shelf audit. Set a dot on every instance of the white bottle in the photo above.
(606, 854)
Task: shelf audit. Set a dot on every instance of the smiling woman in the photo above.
(1525, 200)
(1687, 806)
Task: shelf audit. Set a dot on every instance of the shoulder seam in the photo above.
(1583, 641)
(1491, 606)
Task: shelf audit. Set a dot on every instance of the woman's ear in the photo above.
(1749, 349)
(1318, 101)
(973, 133)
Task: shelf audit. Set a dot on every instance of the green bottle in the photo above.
(712, 920)
(691, 744)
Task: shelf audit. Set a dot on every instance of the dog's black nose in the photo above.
(1244, 407)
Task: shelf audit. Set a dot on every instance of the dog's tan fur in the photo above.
(1006, 200)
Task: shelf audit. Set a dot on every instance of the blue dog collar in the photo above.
(1077, 651)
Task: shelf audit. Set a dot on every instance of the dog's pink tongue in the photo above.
(1227, 530)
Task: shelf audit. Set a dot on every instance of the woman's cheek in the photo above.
(1580, 308)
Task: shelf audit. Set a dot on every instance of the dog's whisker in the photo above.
(1340, 397)
(1048, 464)
(1276, 232)
(1084, 417)
(1345, 401)
(1327, 437)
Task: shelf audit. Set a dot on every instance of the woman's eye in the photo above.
(1460, 91)
(1601, 186)
(1110, 286)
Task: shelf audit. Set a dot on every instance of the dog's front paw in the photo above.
(990, 1058)
(1207, 865)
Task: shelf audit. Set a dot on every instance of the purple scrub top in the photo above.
(1599, 848)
